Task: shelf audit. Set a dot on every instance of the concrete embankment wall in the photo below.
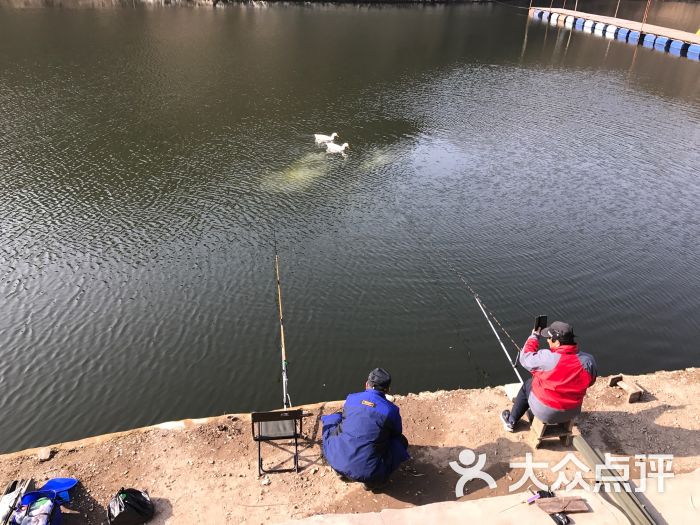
(188, 424)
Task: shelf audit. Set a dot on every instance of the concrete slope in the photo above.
(678, 503)
(502, 510)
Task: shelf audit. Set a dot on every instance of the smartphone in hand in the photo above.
(540, 322)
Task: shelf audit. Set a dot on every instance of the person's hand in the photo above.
(537, 332)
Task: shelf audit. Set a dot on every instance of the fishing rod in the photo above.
(287, 402)
(513, 362)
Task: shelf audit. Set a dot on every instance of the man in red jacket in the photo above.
(560, 377)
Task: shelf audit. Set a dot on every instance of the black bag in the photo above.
(130, 507)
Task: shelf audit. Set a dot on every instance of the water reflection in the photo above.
(299, 175)
(378, 159)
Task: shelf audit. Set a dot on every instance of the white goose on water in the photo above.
(323, 139)
(332, 147)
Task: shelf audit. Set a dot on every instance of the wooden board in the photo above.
(633, 390)
(562, 504)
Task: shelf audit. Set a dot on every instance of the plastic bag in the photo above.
(42, 511)
(130, 507)
(39, 507)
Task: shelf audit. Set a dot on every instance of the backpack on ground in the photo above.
(130, 507)
(43, 506)
(38, 508)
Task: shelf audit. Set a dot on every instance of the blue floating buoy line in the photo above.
(661, 43)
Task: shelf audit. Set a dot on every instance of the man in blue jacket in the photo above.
(365, 442)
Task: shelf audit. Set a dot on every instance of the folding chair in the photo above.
(275, 426)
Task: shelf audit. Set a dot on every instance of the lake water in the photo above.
(151, 158)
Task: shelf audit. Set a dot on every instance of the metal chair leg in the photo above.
(260, 467)
(296, 454)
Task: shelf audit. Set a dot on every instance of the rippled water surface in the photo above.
(149, 159)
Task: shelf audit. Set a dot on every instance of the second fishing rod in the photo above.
(489, 316)
(286, 400)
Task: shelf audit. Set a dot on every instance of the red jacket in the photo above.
(560, 378)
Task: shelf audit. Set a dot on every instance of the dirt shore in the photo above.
(207, 471)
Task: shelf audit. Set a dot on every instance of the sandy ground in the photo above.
(208, 472)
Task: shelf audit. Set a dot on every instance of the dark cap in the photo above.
(558, 331)
(379, 378)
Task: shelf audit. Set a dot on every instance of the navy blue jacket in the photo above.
(364, 442)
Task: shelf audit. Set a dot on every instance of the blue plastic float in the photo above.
(678, 48)
(693, 52)
(623, 34)
(611, 31)
(662, 43)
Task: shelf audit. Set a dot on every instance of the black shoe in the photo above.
(505, 419)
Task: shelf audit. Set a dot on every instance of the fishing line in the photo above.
(511, 5)
(484, 310)
(474, 293)
(458, 324)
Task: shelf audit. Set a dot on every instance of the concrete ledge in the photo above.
(503, 510)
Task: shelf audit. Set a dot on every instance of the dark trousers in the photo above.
(404, 441)
(521, 404)
(400, 442)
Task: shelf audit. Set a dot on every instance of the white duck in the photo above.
(332, 147)
(322, 139)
